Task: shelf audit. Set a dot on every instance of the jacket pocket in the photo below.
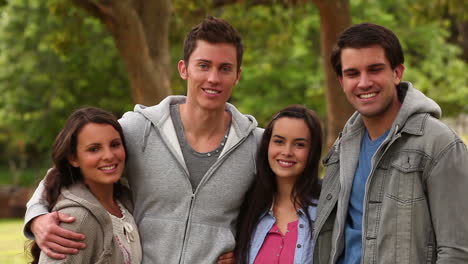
(205, 243)
(405, 184)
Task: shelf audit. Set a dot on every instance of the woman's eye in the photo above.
(93, 149)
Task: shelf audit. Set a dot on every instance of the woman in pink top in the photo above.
(276, 220)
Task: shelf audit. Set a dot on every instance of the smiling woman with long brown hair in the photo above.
(276, 220)
(89, 158)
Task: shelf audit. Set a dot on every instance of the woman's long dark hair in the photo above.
(63, 174)
(260, 195)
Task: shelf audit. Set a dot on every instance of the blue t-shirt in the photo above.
(353, 227)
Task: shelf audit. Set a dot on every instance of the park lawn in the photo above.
(12, 242)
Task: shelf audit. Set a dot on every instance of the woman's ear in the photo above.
(73, 161)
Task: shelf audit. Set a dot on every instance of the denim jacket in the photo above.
(305, 244)
(415, 202)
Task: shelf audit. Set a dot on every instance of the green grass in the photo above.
(12, 242)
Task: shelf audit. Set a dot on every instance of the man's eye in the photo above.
(203, 66)
(226, 69)
(351, 74)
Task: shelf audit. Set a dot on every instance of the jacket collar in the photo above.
(300, 212)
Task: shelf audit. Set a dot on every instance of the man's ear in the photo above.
(238, 76)
(182, 67)
(398, 74)
(340, 79)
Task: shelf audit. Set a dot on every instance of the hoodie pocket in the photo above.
(205, 243)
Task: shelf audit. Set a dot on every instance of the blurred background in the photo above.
(58, 55)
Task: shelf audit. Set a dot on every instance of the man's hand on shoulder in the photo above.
(54, 240)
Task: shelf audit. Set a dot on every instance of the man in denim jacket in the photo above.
(397, 177)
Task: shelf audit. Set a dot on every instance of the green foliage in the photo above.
(25, 177)
(432, 64)
(54, 59)
(282, 59)
(281, 64)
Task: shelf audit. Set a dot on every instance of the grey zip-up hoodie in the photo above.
(178, 225)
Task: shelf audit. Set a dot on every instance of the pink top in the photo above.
(276, 248)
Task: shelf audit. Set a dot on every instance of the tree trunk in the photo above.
(335, 16)
(140, 29)
(462, 27)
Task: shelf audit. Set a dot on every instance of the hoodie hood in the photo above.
(159, 116)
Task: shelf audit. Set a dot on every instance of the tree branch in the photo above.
(90, 7)
(220, 3)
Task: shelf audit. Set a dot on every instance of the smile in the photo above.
(286, 164)
(368, 95)
(210, 91)
(108, 168)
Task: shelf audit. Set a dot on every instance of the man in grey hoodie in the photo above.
(190, 161)
(396, 178)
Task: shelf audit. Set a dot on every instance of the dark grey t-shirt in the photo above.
(197, 163)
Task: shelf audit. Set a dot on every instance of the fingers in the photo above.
(62, 217)
(57, 232)
(62, 243)
(60, 248)
(227, 255)
(54, 240)
(226, 261)
(226, 258)
(52, 254)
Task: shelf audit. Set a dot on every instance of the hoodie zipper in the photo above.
(194, 194)
(187, 228)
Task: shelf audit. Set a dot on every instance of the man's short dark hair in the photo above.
(213, 30)
(364, 35)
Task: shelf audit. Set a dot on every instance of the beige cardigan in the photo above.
(93, 221)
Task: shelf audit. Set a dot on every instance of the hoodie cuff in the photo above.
(31, 213)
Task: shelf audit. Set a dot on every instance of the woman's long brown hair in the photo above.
(63, 174)
(260, 195)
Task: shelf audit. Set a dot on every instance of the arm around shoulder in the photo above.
(86, 224)
(35, 207)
